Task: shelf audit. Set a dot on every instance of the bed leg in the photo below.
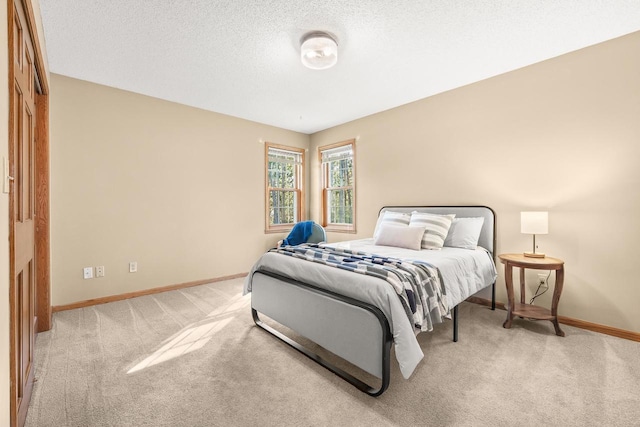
(493, 296)
(455, 324)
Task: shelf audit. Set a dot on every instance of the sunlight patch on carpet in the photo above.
(194, 336)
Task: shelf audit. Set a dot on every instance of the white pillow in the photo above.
(394, 218)
(464, 233)
(436, 228)
(400, 236)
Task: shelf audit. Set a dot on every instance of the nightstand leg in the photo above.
(557, 291)
(508, 280)
(559, 332)
(522, 290)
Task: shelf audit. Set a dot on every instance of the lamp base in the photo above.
(534, 255)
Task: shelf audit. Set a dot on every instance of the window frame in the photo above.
(299, 189)
(340, 228)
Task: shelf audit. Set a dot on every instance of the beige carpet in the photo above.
(194, 358)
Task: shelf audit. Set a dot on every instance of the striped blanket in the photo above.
(417, 283)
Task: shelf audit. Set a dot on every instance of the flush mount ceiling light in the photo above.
(318, 50)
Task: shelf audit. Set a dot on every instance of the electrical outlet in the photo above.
(87, 272)
(133, 267)
(542, 279)
(100, 271)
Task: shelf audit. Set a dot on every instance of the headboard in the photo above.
(487, 235)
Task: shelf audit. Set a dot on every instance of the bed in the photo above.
(358, 317)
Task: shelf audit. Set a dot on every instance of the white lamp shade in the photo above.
(319, 51)
(534, 222)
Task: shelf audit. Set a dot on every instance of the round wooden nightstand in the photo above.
(527, 310)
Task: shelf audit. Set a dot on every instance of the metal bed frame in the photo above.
(372, 312)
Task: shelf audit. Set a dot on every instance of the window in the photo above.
(338, 186)
(284, 169)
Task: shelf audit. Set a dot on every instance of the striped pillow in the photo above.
(392, 218)
(437, 227)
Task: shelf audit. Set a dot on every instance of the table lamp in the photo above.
(534, 223)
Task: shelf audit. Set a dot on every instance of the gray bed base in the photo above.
(353, 330)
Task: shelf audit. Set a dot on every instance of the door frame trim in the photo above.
(42, 198)
(42, 206)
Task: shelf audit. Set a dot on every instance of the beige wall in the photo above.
(177, 189)
(562, 135)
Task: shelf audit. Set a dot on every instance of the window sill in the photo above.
(332, 228)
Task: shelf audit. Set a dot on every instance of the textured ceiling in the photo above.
(241, 58)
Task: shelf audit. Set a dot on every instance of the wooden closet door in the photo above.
(22, 146)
